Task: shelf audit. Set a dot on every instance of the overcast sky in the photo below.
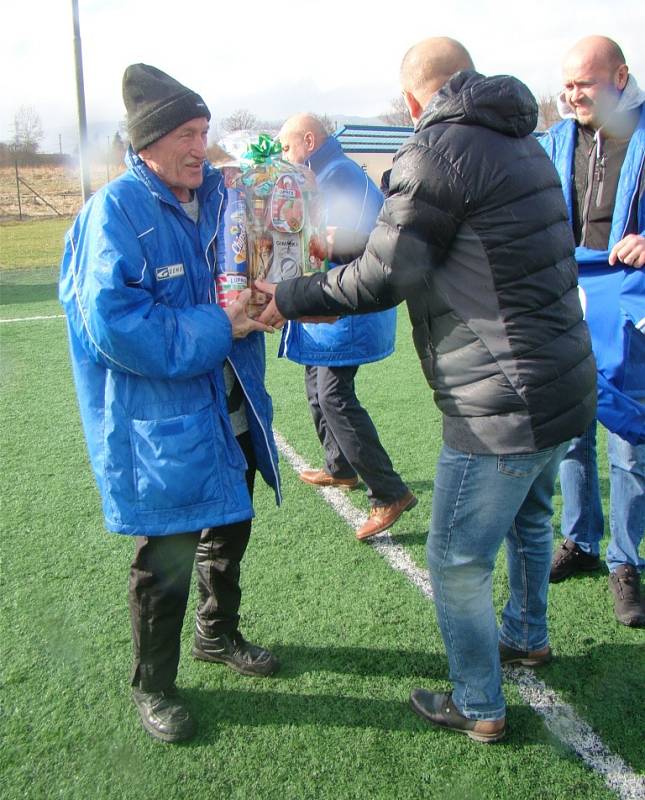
(329, 56)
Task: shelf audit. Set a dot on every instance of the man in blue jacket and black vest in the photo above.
(599, 152)
(333, 352)
(171, 392)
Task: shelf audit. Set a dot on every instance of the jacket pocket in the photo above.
(523, 465)
(175, 461)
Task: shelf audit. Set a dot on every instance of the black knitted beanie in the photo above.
(157, 104)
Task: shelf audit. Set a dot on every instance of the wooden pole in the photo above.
(18, 190)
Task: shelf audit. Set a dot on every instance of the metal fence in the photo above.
(47, 190)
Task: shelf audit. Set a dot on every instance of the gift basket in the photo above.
(281, 233)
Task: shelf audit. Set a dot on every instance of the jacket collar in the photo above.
(328, 150)
(134, 162)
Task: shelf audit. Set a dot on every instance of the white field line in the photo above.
(559, 717)
(33, 319)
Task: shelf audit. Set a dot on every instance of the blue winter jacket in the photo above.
(148, 343)
(614, 296)
(352, 201)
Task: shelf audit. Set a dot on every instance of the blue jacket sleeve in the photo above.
(109, 302)
(619, 413)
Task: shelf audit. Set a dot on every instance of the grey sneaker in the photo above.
(570, 559)
(625, 583)
(233, 650)
(163, 715)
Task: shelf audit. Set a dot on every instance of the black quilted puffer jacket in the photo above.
(475, 237)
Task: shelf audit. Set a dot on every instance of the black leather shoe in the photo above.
(570, 559)
(163, 715)
(438, 709)
(233, 650)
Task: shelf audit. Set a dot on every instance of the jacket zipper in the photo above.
(264, 433)
(586, 205)
(239, 380)
(633, 199)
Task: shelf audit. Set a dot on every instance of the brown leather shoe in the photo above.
(383, 517)
(318, 477)
(438, 709)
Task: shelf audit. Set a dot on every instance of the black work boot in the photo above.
(233, 650)
(570, 559)
(163, 714)
(625, 583)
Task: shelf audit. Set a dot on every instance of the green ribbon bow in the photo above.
(265, 149)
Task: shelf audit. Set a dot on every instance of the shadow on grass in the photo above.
(606, 695)
(19, 293)
(215, 709)
(363, 661)
(420, 487)
(607, 687)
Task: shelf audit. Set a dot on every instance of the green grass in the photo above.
(36, 243)
(353, 636)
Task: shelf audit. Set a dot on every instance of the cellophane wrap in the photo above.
(285, 225)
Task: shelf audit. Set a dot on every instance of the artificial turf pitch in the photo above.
(353, 636)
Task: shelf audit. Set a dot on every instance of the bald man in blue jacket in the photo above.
(332, 353)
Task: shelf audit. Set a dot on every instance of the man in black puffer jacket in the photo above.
(475, 237)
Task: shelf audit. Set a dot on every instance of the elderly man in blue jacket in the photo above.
(599, 152)
(333, 352)
(171, 392)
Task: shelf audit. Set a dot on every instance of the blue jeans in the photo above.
(582, 519)
(478, 501)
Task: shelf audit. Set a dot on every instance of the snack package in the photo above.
(284, 220)
(232, 265)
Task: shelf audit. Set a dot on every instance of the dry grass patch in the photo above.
(59, 188)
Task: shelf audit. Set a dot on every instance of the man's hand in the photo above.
(271, 314)
(629, 251)
(240, 321)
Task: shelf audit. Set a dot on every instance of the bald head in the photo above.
(300, 136)
(594, 74)
(428, 65)
(598, 51)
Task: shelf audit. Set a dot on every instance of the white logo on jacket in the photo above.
(173, 271)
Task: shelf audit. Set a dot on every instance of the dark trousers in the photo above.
(348, 435)
(160, 576)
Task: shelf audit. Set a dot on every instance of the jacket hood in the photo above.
(500, 102)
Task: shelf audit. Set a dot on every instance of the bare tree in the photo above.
(118, 148)
(27, 131)
(328, 124)
(240, 120)
(547, 111)
(397, 114)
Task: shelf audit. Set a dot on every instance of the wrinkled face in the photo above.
(294, 148)
(177, 157)
(592, 88)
